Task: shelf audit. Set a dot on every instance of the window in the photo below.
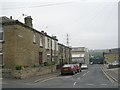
(34, 36)
(48, 43)
(1, 36)
(0, 50)
(41, 40)
(1, 57)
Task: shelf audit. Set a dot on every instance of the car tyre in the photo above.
(62, 74)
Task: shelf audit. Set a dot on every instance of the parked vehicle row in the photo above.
(70, 69)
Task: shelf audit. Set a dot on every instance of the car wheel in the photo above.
(62, 74)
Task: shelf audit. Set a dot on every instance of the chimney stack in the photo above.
(54, 37)
(10, 17)
(42, 32)
(28, 21)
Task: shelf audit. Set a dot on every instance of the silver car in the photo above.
(84, 66)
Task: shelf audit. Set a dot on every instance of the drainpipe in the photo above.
(51, 55)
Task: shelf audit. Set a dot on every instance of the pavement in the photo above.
(33, 79)
(112, 74)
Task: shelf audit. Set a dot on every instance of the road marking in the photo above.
(78, 78)
(37, 80)
(88, 71)
(47, 79)
(1, 78)
(107, 75)
(84, 74)
(74, 83)
(43, 80)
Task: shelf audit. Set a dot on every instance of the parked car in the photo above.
(78, 67)
(91, 63)
(84, 66)
(68, 69)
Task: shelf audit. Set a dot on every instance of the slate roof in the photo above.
(5, 19)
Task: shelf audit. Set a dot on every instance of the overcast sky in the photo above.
(89, 23)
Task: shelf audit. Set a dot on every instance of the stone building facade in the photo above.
(112, 56)
(64, 54)
(22, 45)
(80, 55)
(25, 46)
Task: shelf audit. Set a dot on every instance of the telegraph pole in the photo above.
(67, 39)
(68, 46)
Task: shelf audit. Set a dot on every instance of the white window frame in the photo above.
(34, 36)
(41, 40)
(2, 36)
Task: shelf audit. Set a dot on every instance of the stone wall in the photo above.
(27, 72)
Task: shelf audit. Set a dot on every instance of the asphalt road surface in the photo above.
(93, 77)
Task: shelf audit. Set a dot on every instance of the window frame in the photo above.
(48, 43)
(34, 37)
(1, 40)
(41, 40)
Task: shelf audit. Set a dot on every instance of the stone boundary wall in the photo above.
(27, 72)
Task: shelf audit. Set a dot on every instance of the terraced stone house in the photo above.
(23, 45)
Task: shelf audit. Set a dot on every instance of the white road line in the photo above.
(107, 75)
(84, 74)
(47, 79)
(78, 78)
(1, 78)
(39, 80)
(74, 83)
(88, 71)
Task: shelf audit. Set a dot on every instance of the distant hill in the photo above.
(98, 52)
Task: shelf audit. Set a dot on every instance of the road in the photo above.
(93, 77)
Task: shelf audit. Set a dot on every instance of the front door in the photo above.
(40, 57)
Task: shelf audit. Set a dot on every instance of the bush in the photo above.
(18, 67)
(45, 63)
(49, 63)
(36, 65)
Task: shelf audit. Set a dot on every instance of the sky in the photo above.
(89, 23)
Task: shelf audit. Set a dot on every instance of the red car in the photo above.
(68, 69)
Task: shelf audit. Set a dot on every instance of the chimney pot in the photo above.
(45, 33)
